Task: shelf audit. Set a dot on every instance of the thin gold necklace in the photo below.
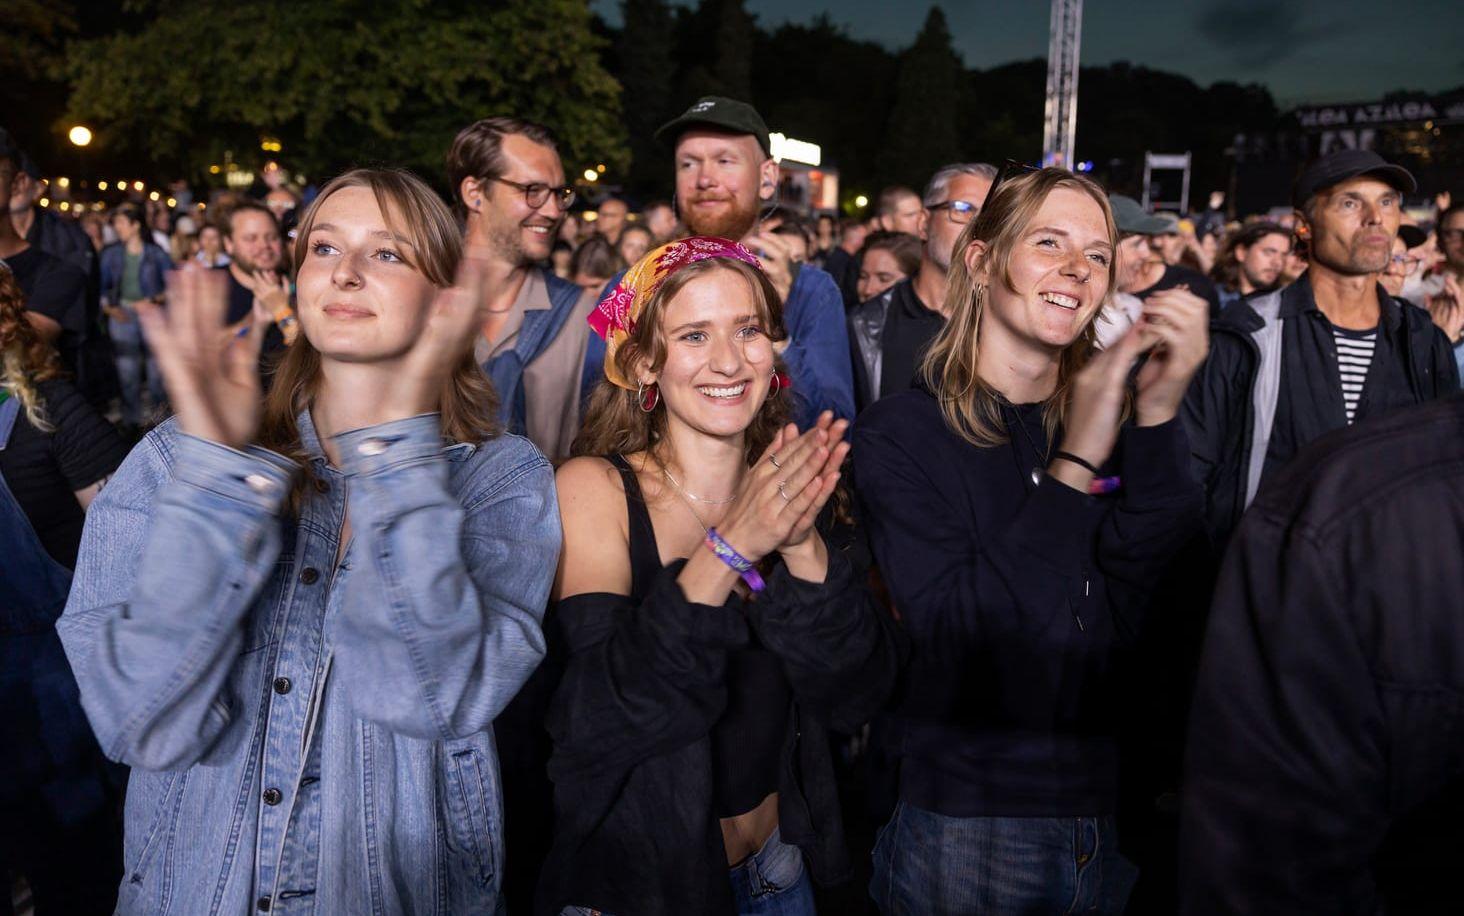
(701, 499)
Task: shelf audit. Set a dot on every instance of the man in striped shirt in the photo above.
(1331, 349)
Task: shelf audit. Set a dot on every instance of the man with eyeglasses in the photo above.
(890, 332)
(510, 190)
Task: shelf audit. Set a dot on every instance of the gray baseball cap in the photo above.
(1132, 219)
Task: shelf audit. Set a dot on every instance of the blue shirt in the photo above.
(319, 738)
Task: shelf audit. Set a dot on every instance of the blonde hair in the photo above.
(614, 422)
(25, 358)
(950, 369)
(469, 405)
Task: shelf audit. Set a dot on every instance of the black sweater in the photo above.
(1015, 597)
(636, 830)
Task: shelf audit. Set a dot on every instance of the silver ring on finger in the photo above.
(776, 463)
(784, 493)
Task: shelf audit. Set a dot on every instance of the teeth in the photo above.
(1059, 300)
(542, 230)
(734, 391)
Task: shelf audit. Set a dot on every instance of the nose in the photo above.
(347, 273)
(704, 178)
(1078, 267)
(725, 357)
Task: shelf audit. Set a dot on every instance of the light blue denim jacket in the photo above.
(320, 739)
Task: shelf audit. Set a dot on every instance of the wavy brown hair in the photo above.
(614, 422)
(951, 368)
(469, 405)
(25, 358)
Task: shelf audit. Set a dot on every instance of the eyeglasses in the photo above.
(959, 212)
(1009, 169)
(536, 193)
(1407, 262)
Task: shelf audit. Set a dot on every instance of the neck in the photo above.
(11, 242)
(709, 466)
(1024, 373)
(241, 276)
(1348, 300)
(931, 284)
(1152, 273)
(23, 220)
(1246, 286)
(503, 277)
(134, 244)
(351, 396)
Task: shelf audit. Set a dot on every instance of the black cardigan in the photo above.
(636, 831)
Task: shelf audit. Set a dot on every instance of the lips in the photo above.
(1061, 300)
(341, 310)
(723, 392)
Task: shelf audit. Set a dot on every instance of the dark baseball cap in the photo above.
(1336, 167)
(1132, 219)
(717, 113)
(8, 148)
(28, 165)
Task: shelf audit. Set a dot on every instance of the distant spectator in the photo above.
(635, 240)
(1141, 270)
(1251, 261)
(659, 217)
(898, 209)
(799, 238)
(611, 220)
(594, 263)
(886, 259)
(842, 263)
(133, 270)
(561, 257)
(211, 247)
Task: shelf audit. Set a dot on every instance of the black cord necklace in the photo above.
(1031, 443)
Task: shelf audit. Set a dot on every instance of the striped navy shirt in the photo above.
(1354, 355)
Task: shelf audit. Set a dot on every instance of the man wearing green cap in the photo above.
(724, 173)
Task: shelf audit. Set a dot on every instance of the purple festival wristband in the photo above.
(737, 561)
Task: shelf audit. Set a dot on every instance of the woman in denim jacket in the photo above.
(297, 618)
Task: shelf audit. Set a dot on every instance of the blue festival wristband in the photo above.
(737, 561)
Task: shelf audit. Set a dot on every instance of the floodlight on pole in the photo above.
(1060, 116)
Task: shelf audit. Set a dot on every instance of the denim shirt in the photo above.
(319, 739)
(151, 273)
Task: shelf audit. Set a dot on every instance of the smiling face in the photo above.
(360, 298)
(254, 240)
(500, 213)
(718, 356)
(1057, 273)
(1351, 226)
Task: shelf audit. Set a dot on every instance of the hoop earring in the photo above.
(647, 396)
(781, 382)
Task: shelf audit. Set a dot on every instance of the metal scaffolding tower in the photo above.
(1062, 83)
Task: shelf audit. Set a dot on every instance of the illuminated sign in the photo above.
(784, 147)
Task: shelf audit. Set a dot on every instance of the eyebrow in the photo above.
(699, 325)
(1053, 230)
(378, 233)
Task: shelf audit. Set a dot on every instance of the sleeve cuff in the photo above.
(256, 477)
(792, 592)
(1156, 461)
(377, 448)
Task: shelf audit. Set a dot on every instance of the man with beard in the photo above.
(255, 247)
(509, 188)
(899, 210)
(890, 331)
(1251, 261)
(1142, 270)
(1333, 347)
(723, 174)
(611, 217)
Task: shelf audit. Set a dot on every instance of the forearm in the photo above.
(443, 610)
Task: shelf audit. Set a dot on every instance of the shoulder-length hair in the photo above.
(25, 358)
(468, 404)
(951, 367)
(614, 422)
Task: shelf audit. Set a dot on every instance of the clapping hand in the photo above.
(210, 372)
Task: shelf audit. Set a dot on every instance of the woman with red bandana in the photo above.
(713, 630)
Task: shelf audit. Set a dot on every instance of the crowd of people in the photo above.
(1011, 550)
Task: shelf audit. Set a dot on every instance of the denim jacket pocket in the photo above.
(470, 790)
(158, 837)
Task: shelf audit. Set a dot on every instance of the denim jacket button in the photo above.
(309, 575)
(259, 483)
(262, 904)
(372, 447)
(272, 796)
(282, 685)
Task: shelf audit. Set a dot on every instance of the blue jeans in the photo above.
(132, 355)
(928, 864)
(771, 882)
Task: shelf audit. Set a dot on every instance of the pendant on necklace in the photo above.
(1036, 476)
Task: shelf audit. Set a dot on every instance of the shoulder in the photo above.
(813, 286)
(907, 416)
(504, 462)
(588, 475)
(1402, 466)
(62, 402)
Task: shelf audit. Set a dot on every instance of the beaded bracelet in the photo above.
(737, 561)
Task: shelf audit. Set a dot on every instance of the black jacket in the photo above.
(1328, 728)
(888, 336)
(1017, 597)
(1219, 409)
(636, 830)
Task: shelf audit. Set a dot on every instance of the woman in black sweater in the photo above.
(1020, 502)
(713, 633)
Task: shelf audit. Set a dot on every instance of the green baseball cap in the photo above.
(718, 113)
(1132, 219)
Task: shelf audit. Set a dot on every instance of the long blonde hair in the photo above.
(25, 358)
(614, 422)
(950, 369)
(469, 405)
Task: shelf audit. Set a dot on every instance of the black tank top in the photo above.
(747, 740)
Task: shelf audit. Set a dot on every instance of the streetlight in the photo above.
(861, 201)
(79, 135)
(591, 175)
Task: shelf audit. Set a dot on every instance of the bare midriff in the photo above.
(746, 833)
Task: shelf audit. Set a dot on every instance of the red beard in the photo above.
(729, 222)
